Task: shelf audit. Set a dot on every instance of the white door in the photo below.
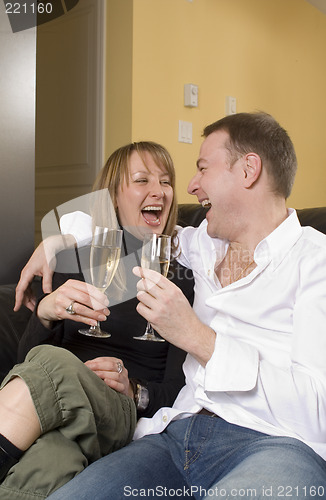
(69, 104)
(17, 140)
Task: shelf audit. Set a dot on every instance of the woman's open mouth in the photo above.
(151, 214)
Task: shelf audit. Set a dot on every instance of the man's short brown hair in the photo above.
(260, 133)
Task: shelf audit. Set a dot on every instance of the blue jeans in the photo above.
(203, 457)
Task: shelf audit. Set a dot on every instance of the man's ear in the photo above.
(251, 169)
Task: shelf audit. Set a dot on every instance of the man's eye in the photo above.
(166, 183)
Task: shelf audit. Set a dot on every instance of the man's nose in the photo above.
(193, 185)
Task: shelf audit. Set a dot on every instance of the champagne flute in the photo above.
(104, 260)
(156, 254)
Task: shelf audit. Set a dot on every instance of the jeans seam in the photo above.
(197, 454)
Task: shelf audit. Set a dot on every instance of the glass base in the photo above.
(151, 337)
(95, 331)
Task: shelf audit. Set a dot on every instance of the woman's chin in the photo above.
(152, 226)
(140, 231)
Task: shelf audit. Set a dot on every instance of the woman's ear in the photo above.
(252, 169)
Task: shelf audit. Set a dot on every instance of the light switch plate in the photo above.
(185, 132)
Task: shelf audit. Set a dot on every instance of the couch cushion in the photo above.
(315, 217)
(190, 214)
(12, 326)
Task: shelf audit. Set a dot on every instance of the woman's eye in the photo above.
(141, 180)
(166, 183)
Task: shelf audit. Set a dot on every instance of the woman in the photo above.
(58, 401)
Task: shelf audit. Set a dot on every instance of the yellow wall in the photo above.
(269, 54)
(118, 53)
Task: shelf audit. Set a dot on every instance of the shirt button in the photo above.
(208, 272)
(165, 418)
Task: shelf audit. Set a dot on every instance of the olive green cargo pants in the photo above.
(81, 418)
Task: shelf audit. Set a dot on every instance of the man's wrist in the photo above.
(203, 344)
(141, 394)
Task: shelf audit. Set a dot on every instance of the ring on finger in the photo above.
(70, 309)
(120, 367)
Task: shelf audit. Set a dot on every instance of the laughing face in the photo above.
(218, 186)
(144, 199)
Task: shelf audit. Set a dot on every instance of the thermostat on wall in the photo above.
(191, 95)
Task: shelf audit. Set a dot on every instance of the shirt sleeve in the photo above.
(185, 236)
(240, 374)
(79, 225)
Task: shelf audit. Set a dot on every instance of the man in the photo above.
(251, 419)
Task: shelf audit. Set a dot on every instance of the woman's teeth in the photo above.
(152, 209)
(150, 215)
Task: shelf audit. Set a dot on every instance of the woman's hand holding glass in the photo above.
(104, 260)
(89, 304)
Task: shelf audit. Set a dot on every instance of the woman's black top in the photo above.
(158, 365)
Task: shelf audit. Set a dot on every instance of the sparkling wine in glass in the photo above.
(104, 260)
(156, 255)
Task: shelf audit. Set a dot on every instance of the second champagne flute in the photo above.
(156, 255)
(104, 260)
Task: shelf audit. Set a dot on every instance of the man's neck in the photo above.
(257, 224)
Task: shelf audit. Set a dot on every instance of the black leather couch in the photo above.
(13, 324)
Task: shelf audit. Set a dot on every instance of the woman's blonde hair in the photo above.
(116, 171)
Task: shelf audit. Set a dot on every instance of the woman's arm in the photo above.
(37, 334)
(46, 324)
(76, 229)
(42, 263)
